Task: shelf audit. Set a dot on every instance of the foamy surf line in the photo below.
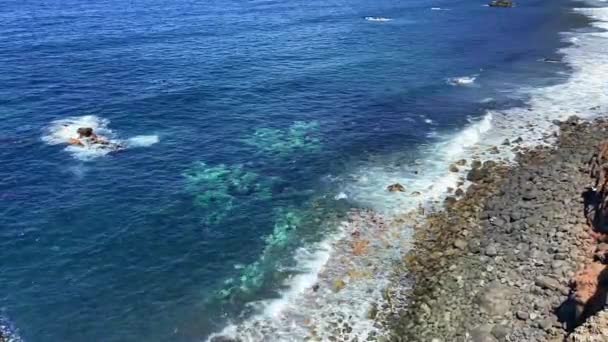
(343, 277)
(344, 299)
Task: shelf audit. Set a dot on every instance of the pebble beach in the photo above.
(513, 259)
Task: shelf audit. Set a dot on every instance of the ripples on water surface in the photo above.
(253, 129)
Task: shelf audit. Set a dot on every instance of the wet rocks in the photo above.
(477, 174)
(396, 188)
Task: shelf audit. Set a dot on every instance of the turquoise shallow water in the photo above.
(241, 120)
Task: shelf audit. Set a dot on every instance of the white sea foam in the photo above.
(61, 131)
(8, 331)
(461, 81)
(426, 180)
(340, 196)
(142, 141)
(378, 19)
(439, 9)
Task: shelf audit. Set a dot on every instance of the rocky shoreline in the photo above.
(513, 258)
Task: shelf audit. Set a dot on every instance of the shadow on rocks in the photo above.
(574, 311)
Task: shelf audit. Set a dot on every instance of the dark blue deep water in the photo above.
(254, 104)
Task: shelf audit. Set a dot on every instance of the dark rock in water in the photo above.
(396, 188)
(550, 60)
(501, 3)
(449, 201)
(461, 162)
(459, 192)
(476, 164)
(573, 120)
(454, 168)
(373, 311)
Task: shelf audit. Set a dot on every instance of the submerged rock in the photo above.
(299, 137)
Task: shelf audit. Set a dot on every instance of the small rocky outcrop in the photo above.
(395, 188)
(502, 3)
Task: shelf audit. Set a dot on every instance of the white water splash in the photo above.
(378, 19)
(61, 131)
(462, 80)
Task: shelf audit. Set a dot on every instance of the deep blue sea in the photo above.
(250, 130)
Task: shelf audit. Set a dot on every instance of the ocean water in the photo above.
(253, 144)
